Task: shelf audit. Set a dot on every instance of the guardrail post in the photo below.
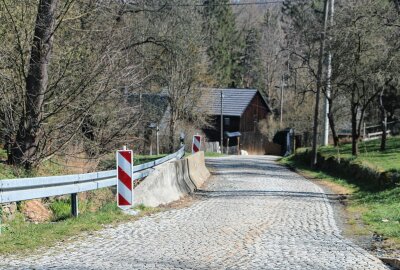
(74, 204)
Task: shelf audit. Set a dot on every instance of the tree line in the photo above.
(73, 72)
(360, 41)
(69, 67)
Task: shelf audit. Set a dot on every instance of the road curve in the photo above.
(252, 214)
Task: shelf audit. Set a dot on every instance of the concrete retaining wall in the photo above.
(172, 181)
(198, 171)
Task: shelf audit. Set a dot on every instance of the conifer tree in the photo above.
(221, 35)
(251, 60)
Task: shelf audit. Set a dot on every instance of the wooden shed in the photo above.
(242, 110)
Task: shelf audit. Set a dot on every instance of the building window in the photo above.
(227, 121)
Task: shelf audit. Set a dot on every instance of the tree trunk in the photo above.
(332, 124)
(354, 135)
(7, 146)
(383, 121)
(314, 157)
(29, 133)
(9, 134)
(172, 132)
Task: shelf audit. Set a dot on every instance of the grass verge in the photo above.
(109, 163)
(379, 211)
(47, 168)
(370, 155)
(207, 154)
(97, 209)
(21, 236)
(213, 154)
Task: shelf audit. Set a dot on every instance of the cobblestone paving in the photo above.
(253, 214)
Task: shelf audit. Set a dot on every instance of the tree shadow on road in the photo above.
(268, 193)
(258, 174)
(245, 164)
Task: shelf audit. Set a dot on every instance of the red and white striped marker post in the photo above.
(124, 174)
(196, 145)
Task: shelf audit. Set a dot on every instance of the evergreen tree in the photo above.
(220, 31)
(250, 64)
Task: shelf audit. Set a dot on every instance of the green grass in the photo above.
(3, 154)
(47, 168)
(9, 172)
(61, 209)
(370, 155)
(207, 154)
(213, 154)
(317, 174)
(97, 208)
(109, 163)
(383, 211)
(21, 236)
(50, 168)
(140, 159)
(379, 210)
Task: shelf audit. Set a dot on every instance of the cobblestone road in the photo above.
(253, 214)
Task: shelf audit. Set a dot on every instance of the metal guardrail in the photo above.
(13, 190)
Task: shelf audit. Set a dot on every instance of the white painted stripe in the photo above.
(125, 192)
(196, 142)
(124, 165)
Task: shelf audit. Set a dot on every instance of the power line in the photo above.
(223, 4)
(230, 4)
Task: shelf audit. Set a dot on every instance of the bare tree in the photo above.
(364, 67)
(184, 71)
(73, 83)
(29, 132)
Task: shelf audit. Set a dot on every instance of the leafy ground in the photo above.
(378, 210)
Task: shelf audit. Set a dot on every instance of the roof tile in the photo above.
(234, 101)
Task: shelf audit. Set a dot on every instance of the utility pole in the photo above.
(319, 85)
(157, 140)
(281, 105)
(284, 80)
(222, 123)
(151, 145)
(328, 78)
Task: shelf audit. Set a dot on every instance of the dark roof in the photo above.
(234, 101)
